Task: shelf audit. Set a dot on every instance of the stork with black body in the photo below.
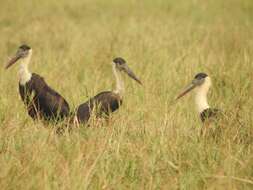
(41, 101)
(201, 83)
(108, 101)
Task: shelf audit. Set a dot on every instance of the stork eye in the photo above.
(119, 66)
(22, 52)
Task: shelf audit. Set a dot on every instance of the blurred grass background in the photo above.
(149, 144)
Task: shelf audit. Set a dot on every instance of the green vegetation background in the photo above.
(148, 144)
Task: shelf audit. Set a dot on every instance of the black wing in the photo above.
(209, 113)
(42, 99)
(103, 104)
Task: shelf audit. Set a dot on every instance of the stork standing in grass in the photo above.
(41, 100)
(202, 83)
(108, 101)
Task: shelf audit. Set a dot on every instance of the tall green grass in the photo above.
(148, 144)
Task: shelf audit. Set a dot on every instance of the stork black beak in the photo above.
(13, 60)
(131, 74)
(189, 88)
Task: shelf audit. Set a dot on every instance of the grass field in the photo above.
(149, 144)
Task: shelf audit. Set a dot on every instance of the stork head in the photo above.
(120, 65)
(23, 52)
(201, 82)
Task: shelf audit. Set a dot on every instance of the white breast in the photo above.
(201, 95)
(24, 74)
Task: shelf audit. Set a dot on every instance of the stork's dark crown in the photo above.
(24, 47)
(200, 76)
(119, 61)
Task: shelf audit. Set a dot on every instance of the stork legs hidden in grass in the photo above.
(42, 102)
(201, 83)
(108, 101)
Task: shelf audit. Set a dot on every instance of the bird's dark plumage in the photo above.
(24, 47)
(102, 104)
(119, 60)
(200, 76)
(209, 113)
(42, 101)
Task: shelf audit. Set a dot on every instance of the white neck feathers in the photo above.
(201, 95)
(24, 74)
(120, 89)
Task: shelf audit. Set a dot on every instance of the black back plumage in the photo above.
(209, 114)
(102, 104)
(42, 101)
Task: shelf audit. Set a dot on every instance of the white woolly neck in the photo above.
(201, 95)
(120, 88)
(24, 74)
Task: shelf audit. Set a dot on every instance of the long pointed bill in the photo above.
(186, 90)
(131, 74)
(12, 61)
